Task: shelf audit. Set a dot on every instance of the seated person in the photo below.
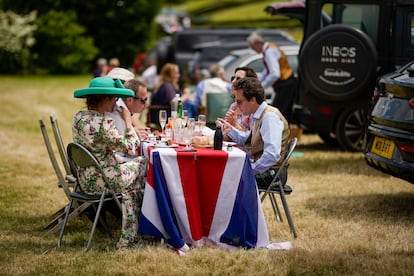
(93, 129)
(234, 116)
(267, 141)
(165, 92)
(216, 83)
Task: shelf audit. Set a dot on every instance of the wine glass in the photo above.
(184, 117)
(163, 119)
(202, 122)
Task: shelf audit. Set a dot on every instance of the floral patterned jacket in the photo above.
(98, 133)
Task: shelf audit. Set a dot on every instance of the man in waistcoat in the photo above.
(267, 140)
(276, 73)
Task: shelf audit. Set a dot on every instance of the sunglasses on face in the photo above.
(234, 78)
(143, 101)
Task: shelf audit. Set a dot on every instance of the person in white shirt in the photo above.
(134, 104)
(216, 83)
(267, 140)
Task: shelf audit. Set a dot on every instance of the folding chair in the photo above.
(63, 183)
(277, 187)
(62, 149)
(80, 157)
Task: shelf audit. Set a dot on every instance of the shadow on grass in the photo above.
(390, 208)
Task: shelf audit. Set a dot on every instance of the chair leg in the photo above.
(95, 221)
(286, 207)
(65, 221)
(275, 206)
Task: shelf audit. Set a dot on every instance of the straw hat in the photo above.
(106, 87)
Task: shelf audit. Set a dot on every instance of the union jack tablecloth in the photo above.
(206, 196)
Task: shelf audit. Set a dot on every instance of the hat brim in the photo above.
(104, 91)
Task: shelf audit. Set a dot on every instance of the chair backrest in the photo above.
(291, 148)
(217, 105)
(81, 157)
(59, 143)
(61, 180)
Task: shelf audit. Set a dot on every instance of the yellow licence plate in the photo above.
(383, 147)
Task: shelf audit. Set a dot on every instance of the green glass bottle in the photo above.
(180, 109)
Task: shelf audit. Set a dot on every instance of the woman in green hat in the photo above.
(98, 133)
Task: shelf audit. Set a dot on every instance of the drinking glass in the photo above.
(202, 122)
(163, 119)
(184, 117)
(187, 138)
(191, 125)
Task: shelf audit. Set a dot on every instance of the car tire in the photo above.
(338, 63)
(350, 129)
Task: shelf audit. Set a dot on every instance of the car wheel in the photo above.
(350, 129)
(338, 62)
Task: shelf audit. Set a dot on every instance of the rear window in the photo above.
(363, 17)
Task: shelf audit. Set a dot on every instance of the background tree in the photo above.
(62, 46)
(16, 38)
(119, 28)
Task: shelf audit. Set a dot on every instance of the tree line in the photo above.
(67, 36)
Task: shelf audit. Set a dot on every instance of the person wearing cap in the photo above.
(216, 83)
(135, 104)
(276, 73)
(93, 129)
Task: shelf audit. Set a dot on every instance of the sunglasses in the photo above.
(234, 78)
(143, 101)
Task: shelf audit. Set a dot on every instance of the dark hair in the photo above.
(249, 71)
(251, 87)
(93, 101)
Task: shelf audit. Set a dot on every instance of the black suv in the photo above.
(390, 134)
(346, 46)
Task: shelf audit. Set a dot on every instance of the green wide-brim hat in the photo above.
(106, 87)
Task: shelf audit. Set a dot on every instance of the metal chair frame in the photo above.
(277, 187)
(80, 157)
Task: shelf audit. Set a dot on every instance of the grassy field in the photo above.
(350, 219)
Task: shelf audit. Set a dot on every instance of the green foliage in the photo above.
(62, 46)
(118, 28)
(16, 33)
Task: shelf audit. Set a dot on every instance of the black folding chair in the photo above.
(80, 157)
(277, 187)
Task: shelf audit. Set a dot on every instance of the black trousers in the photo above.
(264, 179)
(285, 96)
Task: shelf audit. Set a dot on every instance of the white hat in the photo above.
(120, 73)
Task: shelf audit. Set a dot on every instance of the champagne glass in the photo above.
(202, 122)
(184, 117)
(163, 119)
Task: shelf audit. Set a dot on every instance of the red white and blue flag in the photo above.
(203, 196)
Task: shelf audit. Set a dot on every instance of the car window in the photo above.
(256, 65)
(362, 17)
